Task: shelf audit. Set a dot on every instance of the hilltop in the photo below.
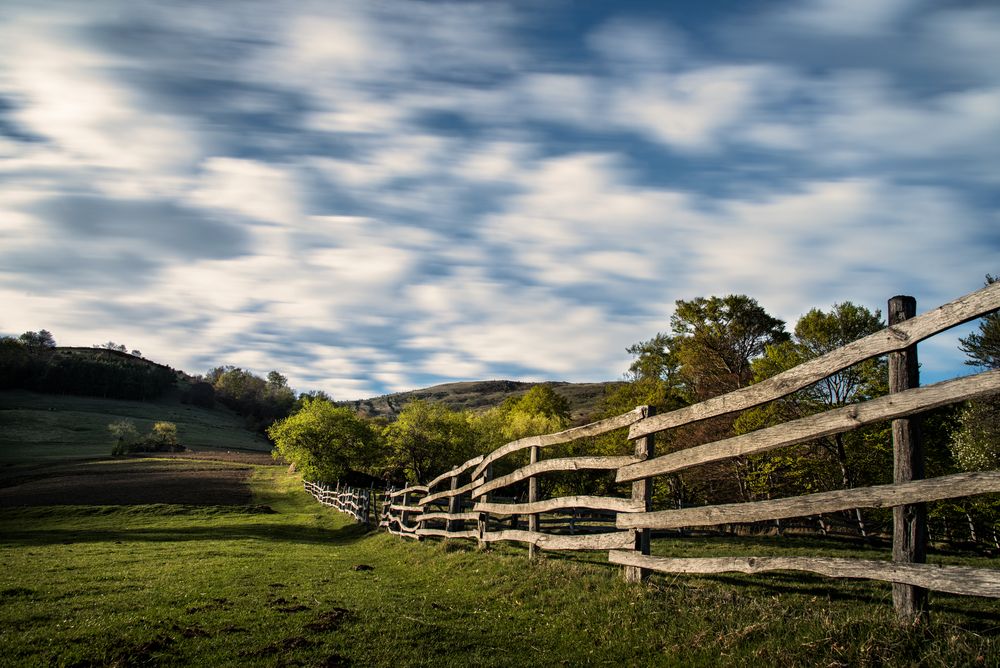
(584, 398)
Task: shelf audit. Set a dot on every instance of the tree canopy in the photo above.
(323, 440)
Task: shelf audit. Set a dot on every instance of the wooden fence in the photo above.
(465, 503)
(353, 501)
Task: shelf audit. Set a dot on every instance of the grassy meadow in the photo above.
(261, 575)
(284, 581)
(39, 428)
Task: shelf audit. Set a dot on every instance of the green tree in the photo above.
(125, 435)
(38, 341)
(716, 338)
(324, 441)
(427, 439)
(976, 443)
(714, 341)
(163, 437)
(541, 410)
(856, 457)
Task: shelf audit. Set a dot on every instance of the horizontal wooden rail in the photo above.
(444, 533)
(616, 540)
(404, 534)
(819, 425)
(951, 579)
(592, 429)
(416, 510)
(458, 470)
(880, 496)
(563, 502)
(414, 489)
(437, 496)
(451, 517)
(891, 339)
(550, 465)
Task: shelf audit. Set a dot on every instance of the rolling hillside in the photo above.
(44, 427)
(584, 398)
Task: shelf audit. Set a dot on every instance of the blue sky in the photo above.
(378, 196)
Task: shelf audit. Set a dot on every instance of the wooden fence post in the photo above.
(403, 514)
(532, 497)
(909, 523)
(454, 506)
(483, 524)
(642, 492)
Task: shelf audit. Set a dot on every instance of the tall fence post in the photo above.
(483, 524)
(532, 497)
(642, 493)
(454, 506)
(909, 522)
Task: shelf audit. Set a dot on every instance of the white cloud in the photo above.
(64, 91)
(842, 18)
(258, 190)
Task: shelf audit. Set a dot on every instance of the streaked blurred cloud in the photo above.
(379, 196)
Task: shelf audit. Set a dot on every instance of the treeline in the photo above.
(260, 401)
(32, 362)
(714, 345)
(328, 442)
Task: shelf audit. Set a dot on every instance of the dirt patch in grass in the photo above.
(232, 456)
(132, 483)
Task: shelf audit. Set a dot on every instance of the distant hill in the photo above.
(481, 395)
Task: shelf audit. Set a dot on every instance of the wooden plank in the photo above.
(444, 533)
(549, 465)
(413, 510)
(951, 579)
(563, 502)
(414, 489)
(821, 424)
(909, 523)
(451, 517)
(404, 534)
(890, 339)
(545, 440)
(431, 498)
(458, 470)
(532, 498)
(601, 541)
(642, 492)
(881, 496)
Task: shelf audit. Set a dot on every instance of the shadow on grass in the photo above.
(284, 533)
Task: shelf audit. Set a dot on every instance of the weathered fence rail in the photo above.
(462, 503)
(353, 501)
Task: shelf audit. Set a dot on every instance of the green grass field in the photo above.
(275, 580)
(44, 427)
(276, 583)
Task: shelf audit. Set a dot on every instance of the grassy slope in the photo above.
(46, 427)
(583, 398)
(231, 586)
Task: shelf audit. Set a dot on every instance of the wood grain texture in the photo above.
(909, 523)
(592, 429)
(457, 471)
(415, 489)
(549, 465)
(560, 503)
(821, 424)
(881, 496)
(890, 339)
(438, 496)
(451, 517)
(443, 533)
(412, 510)
(600, 541)
(951, 579)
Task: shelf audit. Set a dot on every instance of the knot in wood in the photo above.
(898, 334)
